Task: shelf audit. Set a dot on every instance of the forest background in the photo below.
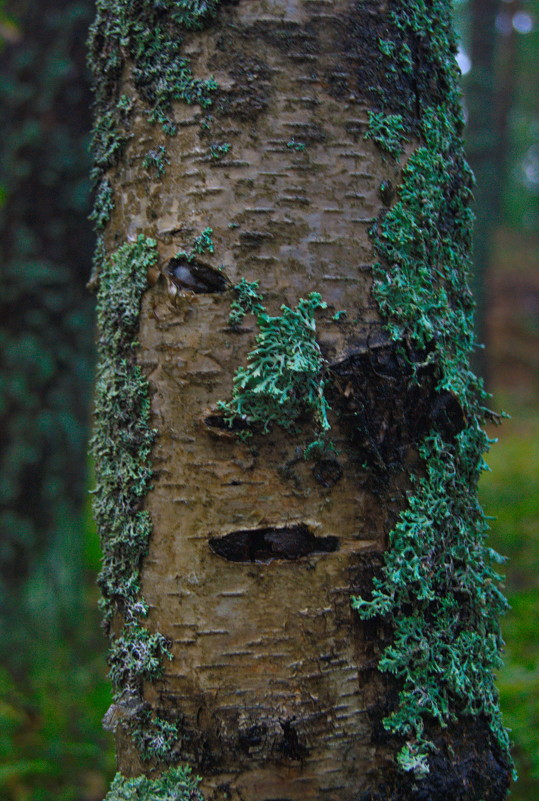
(53, 686)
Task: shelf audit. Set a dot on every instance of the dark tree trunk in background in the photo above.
(288, 436)
(52, 673)
(483, 141)
(45, 316)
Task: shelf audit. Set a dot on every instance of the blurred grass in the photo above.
(510, 492)
(52, 746)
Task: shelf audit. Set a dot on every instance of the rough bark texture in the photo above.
(255, 550)
(266, 669)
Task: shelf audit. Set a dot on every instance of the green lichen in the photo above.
(298, 146)
(438, 586)
(399, 54)
(176, 784)
(121, 447)
(156, 159)
(103, 204)
(441, 592)
(285, 374)
(155, 737)
(122, 436)
(388, 131)
(217, 152)
(149, 37)
(203, 243)
(247, 301)
(107, 142)
(138, 653)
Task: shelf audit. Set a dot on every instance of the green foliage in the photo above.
(177, 784)
(510, 493)
(46, 347)
(52, 746)
(284, 377)
(388, 131)
(52, 688)
(438, 587)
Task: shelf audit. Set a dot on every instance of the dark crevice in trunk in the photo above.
(267, 544)
(291, 747)
(387, 399)
(466, 766)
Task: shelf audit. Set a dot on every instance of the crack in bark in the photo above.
(267, 544)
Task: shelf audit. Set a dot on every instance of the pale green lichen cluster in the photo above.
(438, 586)
(176, 784)
(219, 151)
(149, 37)
(121, 447)
(122, 437)
(388, 131)
(157, 160)
(284, 378)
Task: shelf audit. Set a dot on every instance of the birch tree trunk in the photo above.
(248, 155)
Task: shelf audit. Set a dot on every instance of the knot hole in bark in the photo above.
(190, 275)
(267, 544)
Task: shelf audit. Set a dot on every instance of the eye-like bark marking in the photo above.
(189, 275)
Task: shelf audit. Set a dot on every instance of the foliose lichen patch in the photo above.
(438, 586)
(148, 38)
(177, 784)
(285, 374)
(121, 446)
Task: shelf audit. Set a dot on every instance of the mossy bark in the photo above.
(272, 690)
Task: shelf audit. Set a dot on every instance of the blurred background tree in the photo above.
(53, 691)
